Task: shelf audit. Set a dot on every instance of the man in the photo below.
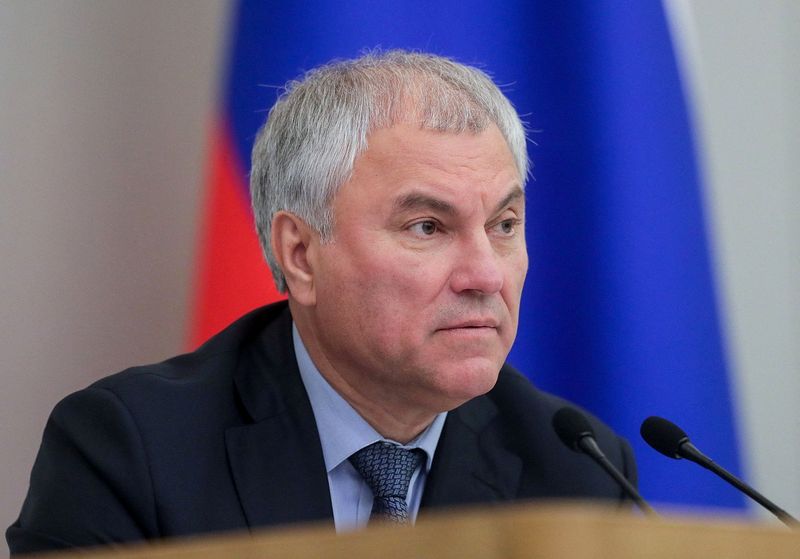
(388, 196)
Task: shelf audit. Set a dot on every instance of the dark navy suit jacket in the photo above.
(224, 439)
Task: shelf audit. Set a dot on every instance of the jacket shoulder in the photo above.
(146, 445)
(217, 357)
(524, 416)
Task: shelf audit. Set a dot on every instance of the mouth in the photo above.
(479, 324)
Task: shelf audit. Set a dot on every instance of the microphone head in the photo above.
(571, 426)
(664, 436)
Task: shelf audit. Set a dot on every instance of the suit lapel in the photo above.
(276, 457)
(278, 480)
(471, 465)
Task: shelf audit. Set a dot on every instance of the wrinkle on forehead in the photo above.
(460, 153)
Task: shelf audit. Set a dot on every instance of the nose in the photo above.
(478, 267)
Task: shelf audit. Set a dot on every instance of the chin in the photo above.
(465, 381)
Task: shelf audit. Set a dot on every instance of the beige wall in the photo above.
(104, 112)
(744, 63)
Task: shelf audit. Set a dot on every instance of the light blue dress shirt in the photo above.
(342, 432)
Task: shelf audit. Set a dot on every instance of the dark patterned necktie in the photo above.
(387, 470)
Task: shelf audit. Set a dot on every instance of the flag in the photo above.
(619, 310)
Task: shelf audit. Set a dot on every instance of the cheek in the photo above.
(394, 301)
(377, 296)
(398, 277)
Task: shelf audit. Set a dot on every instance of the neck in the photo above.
(389, 413)
(402, 426)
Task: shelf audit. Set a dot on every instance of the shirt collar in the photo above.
(342, 431)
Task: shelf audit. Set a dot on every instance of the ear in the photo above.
(292, 239)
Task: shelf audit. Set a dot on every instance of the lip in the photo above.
(472, 324)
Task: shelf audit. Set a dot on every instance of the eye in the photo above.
(508, 226)
(424, 228)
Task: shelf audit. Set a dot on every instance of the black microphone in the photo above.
(671, 441)
(575, 431)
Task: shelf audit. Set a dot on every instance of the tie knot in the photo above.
(387, 468)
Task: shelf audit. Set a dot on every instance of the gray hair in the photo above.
(319, 126)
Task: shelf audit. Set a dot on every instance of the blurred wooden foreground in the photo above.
(561, 531)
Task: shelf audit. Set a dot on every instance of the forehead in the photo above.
(410, 144)
(407, 156)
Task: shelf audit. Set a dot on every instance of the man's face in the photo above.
(417, 296)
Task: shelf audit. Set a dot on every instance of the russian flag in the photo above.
(620, 309)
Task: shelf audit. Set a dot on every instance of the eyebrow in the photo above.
(417, 201)
(515, 194)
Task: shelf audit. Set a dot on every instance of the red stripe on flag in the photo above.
(232, 276)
